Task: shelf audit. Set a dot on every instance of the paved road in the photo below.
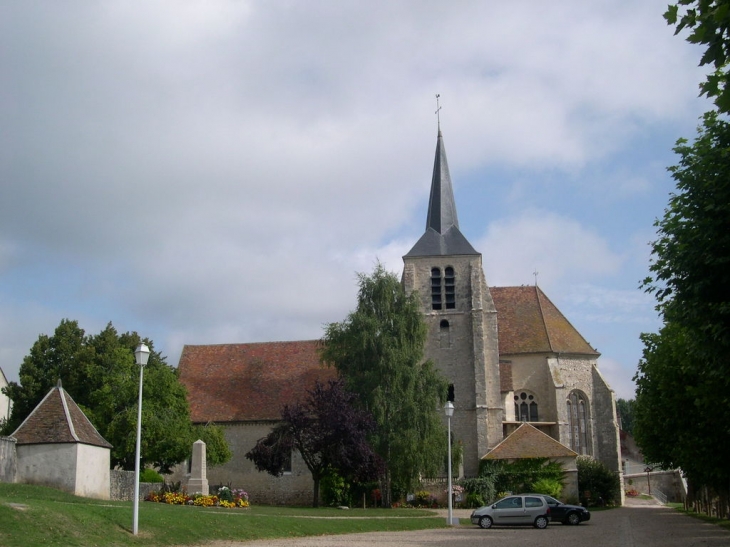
(637, 525)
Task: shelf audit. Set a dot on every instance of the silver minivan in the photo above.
(514, 510)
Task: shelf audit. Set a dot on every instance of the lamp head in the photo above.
(449, 409)
(142, 354)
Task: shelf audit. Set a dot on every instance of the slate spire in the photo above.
(442, 236)
(441, 205)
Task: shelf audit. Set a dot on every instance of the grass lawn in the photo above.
(35, 515)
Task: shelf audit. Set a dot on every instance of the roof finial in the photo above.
(438, 110)
(535, 273)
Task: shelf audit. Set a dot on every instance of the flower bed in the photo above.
(225, 498)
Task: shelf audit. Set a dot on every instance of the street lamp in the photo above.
(449, 411)
(141, 355)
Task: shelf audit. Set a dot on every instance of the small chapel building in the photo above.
(509, 354)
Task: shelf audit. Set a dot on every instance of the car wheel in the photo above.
(485, 522)
(541, 523)
(574, 519)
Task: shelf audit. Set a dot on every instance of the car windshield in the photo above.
(552, 501)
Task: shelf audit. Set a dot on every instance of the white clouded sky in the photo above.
(212, 172)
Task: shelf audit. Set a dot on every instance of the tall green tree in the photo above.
(708, 25)
(100, 373)
(683, 379)
(625, 410)
(379, 351)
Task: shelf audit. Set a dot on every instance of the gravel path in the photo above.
(642, 523)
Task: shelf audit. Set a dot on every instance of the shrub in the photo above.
(150, 475)
(551, 487)
(474, 500)
(596, 482)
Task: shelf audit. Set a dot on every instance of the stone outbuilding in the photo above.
(529, 442)
(58, 446)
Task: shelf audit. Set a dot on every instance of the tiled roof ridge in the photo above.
(569, 322)
(265, 343)
(542, 315)
(67, 414)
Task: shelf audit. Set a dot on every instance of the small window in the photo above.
(444, 334)
(450, 395)
(286, 468)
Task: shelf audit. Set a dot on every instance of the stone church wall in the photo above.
(295, 488)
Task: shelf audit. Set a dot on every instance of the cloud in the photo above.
(560, 249)
(218, 171)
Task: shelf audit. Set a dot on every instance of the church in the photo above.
(510, 356)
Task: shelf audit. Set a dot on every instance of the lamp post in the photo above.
(141, 355)
(449, 411)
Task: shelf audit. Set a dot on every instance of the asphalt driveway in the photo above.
(640, 524)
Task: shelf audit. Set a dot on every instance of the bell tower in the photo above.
(447, 274)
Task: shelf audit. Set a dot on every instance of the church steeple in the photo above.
(442, 236)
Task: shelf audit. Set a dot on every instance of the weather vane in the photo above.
(438, 109)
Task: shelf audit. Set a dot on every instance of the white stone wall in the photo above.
(77, 468)
(92, 471)
(51, 465)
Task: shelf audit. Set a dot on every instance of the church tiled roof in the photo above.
(528, 442)
(248, 382)
(58, 419)
(528, 322)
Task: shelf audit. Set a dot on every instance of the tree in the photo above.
(379, 351)
(330, 434)
(709, 25)
(625, 410)
(217, 451)
(100, 373)
(683, 379)
(596, 482)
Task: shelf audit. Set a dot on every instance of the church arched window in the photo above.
(436, 288)
(578, 422)
(444, 334)
(526, 407)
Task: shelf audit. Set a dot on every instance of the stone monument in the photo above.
(198, 483)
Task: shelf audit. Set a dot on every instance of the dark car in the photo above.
(563, 512)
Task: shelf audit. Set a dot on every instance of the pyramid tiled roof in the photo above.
(248, 382)
(528, 442)
(529, 322)
(58, 419)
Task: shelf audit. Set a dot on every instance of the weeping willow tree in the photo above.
(379, 351)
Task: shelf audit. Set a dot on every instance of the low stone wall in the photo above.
(8, 460)
(668, 482)
(121, 486)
